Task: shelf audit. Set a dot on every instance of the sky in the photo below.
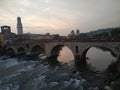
(60, 16)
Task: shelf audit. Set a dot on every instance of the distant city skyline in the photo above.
(60, 16)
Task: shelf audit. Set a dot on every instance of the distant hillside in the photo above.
(100, 31)
(109, 33)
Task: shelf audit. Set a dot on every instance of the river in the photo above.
(97, 58)
(25, 74)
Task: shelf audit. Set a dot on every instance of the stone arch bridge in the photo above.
(52, 47)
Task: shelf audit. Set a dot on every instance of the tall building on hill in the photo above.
(77, 32)
(72, 33)
(19, 26)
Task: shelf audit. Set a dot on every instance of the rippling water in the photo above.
(17, 74)
(20, 74)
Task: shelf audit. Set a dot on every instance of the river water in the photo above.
(97, 58)
(26, 74)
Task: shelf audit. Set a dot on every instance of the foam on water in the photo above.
(11, 62)
(43, 77)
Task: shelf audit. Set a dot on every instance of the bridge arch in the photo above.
(104, 48)
(21, 51)
(10, 51)
(55, 51)
(92, 57)
(37, 49)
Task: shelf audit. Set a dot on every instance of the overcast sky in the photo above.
(60, 16)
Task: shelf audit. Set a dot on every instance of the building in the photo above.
(5, 29)
(1, 44)
(39, 36)
(77, 32)
(72, 33)
(19, 26)
(1, 39)
(7, 35)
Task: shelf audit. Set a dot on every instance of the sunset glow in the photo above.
(60, 16)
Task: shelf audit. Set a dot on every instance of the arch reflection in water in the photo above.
(65, 55)
(99, 59)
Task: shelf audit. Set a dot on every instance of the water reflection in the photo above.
(66, 55)
(99, 59)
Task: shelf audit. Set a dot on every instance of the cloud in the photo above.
(61, 15)
(25, 3)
